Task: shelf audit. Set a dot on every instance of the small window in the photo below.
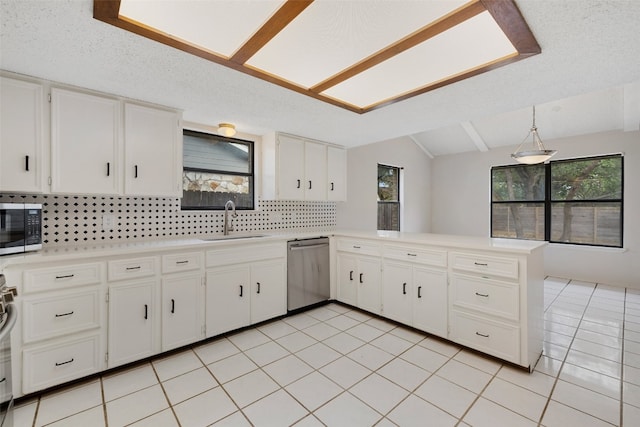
(388, 198)
(576, 201)
(216, 169)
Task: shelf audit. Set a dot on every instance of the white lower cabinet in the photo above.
(133, 321)
(182, 306)
(240, 295)
(359, 281)
(416, 296)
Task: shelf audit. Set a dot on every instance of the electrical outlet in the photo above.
(108, 222)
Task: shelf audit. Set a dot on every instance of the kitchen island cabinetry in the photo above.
(244, 285)
(359, 278)
(21, 136)
(415, 287)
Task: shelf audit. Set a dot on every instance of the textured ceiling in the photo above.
(590, 51)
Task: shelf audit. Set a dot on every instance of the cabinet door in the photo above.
(290, 168)
(268, 290)
(85, 143)
(132, 316)
(315, 163)
(430, 300)
(227, 299)
(369, 284)
(181, 310)
(336, 174)
(397, 292)
(21, 159)
(153, 161)
(347, 279)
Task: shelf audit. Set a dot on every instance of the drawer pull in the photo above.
(482, 335)
(298, 186)
(258, 291)
(182, 262)
(133, 268)
(404, 288)
(412, 254)
(419, 289)
(64, 314)
(146, 312)
(3, 380)
(173, 306)
(65, 363)
(351, 275)
(482, 295)
(361, 275)
(481, 264)
(67, 276)
(356, 247)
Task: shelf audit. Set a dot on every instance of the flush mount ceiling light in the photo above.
(358, 55)
(226, 129)
(537, 153)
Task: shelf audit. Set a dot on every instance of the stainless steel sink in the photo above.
(234, 237)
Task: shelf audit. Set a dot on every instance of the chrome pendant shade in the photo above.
(536, 152)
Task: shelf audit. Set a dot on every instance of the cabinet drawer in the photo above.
(416, 254)
(245, 253)
(131, 268)
(47, 279)
(51, 316)
(46, 366)
(495, 266)
(186, 261)
(363, 247)
(491, 337)
(487, 296)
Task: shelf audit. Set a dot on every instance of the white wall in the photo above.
(360, 211)
(461, 195)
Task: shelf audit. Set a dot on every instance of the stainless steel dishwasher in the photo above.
(307, 272)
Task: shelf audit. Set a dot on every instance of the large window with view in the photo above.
(388, 198)
(575, 201)
(216, 169)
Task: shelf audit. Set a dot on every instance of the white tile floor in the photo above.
(339, 367)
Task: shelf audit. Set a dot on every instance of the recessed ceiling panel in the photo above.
(355, 54)
(473, 43)
(331, 36)
(220, 26)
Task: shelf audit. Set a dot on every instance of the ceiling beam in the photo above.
(283, 17)
(422, 147)
(475, 136)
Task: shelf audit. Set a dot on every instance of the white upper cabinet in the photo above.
(336, 174)
(21, 136)
(295, 168)
(85, 143)
(152, 151)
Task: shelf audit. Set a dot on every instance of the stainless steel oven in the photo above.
(8, 316)
(20, 227)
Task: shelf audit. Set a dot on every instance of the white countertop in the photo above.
(100, 250)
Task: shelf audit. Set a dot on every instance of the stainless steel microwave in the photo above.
(20, 227)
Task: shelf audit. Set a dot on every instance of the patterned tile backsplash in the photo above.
(77, 219)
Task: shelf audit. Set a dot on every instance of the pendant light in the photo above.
(537, 153)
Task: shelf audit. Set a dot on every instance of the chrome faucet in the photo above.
(228, 224)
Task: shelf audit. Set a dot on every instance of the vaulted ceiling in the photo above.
(585, 80)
